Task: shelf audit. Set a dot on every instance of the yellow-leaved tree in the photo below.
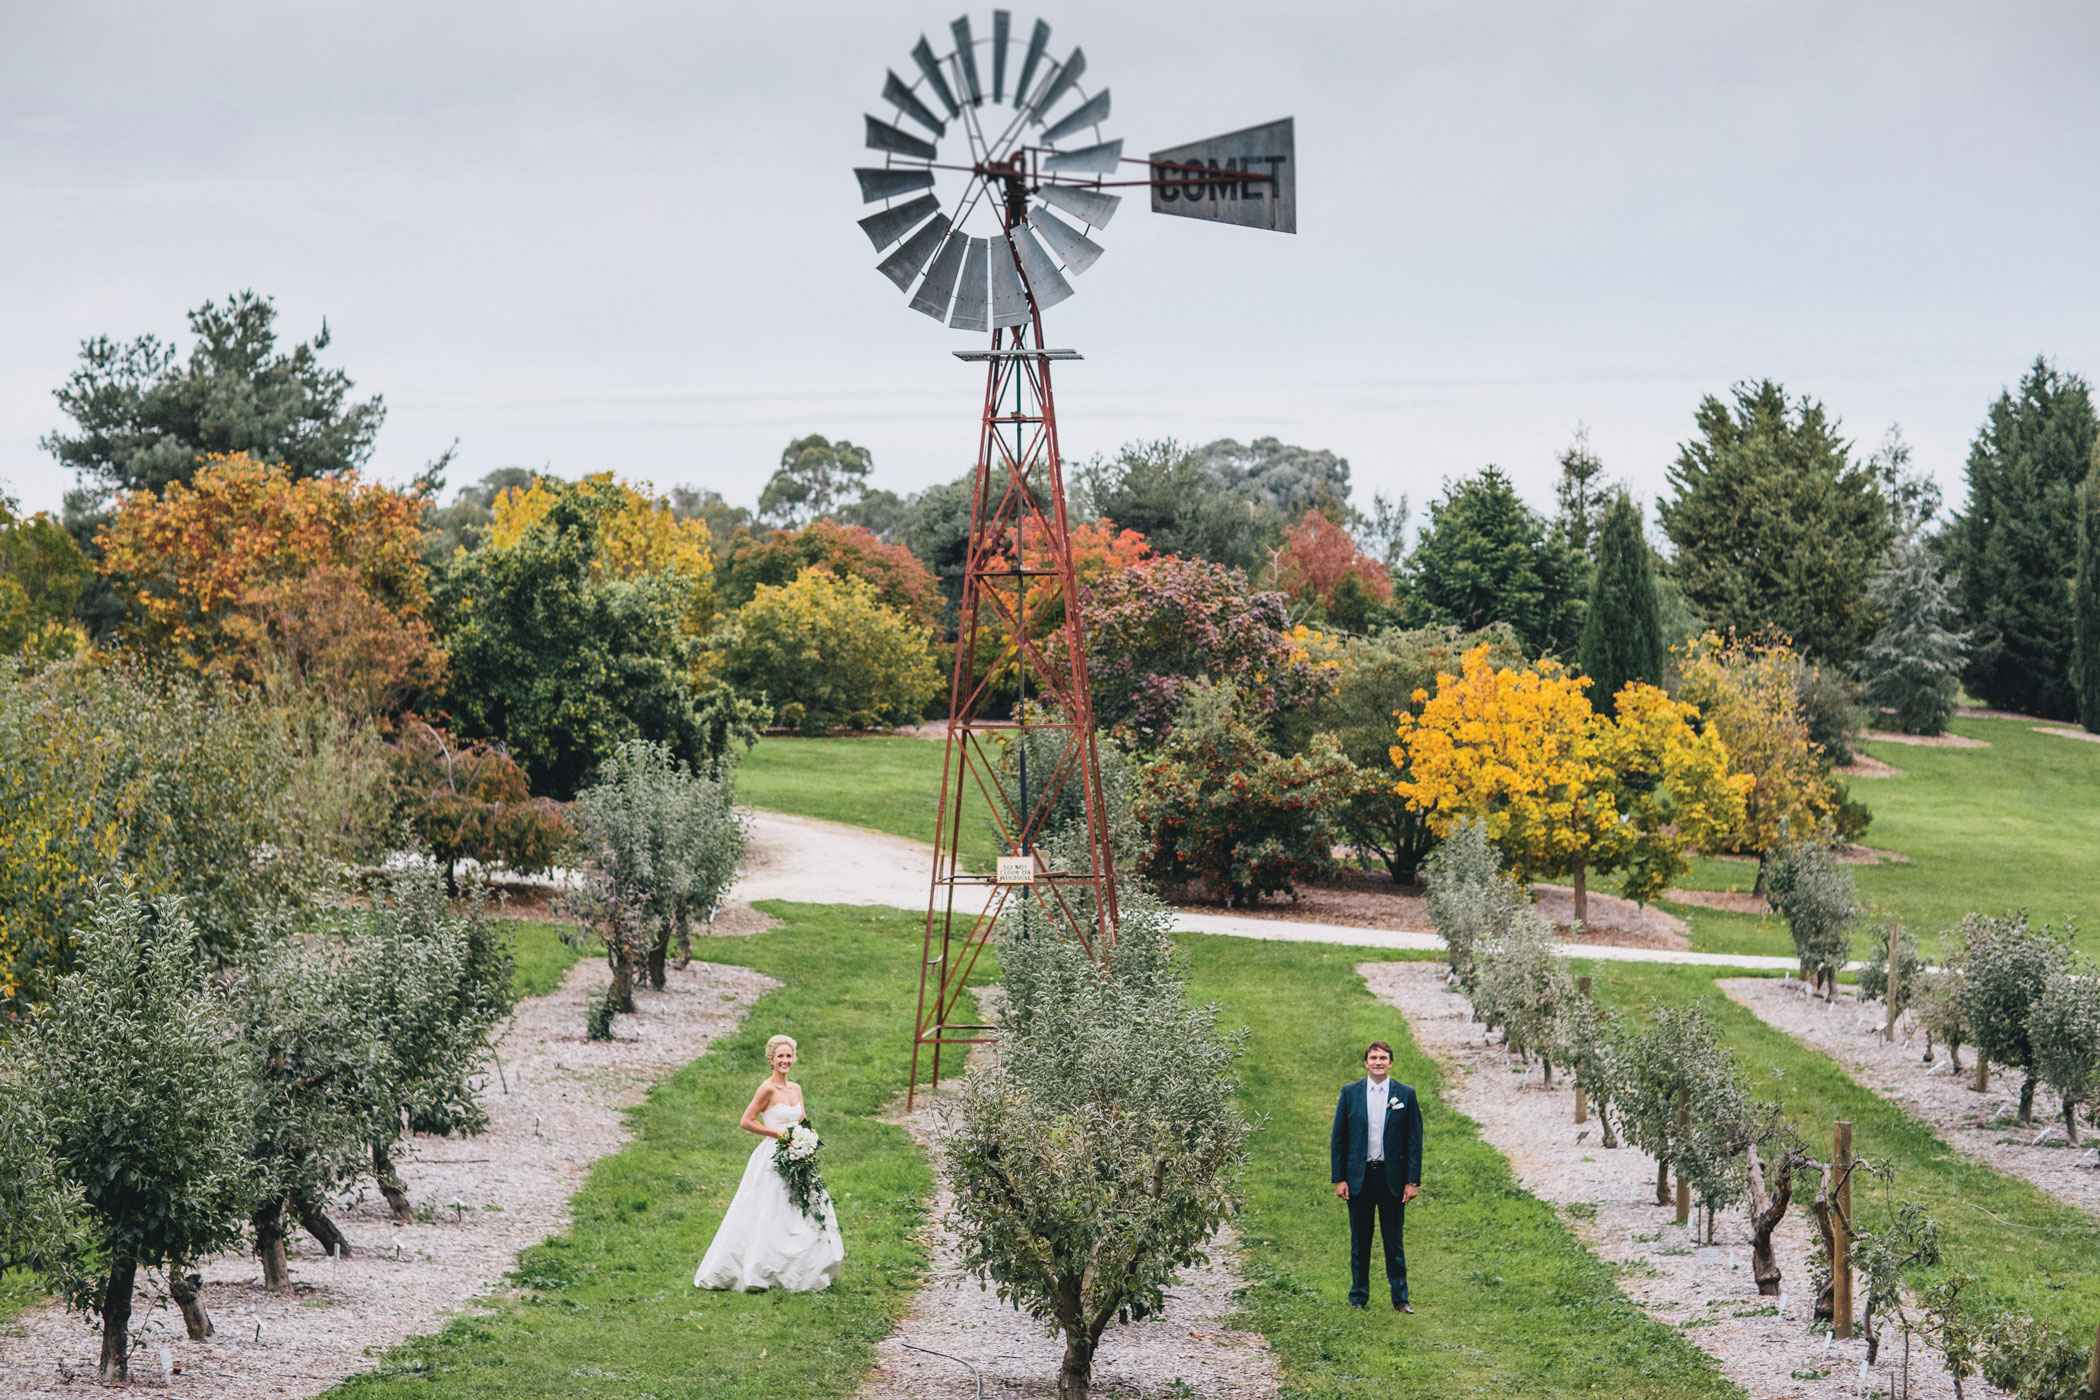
(643, 536)
(1560, 788)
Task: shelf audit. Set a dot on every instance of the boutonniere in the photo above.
(1394, 1103)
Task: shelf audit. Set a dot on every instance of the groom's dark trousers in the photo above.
(1374, 1187)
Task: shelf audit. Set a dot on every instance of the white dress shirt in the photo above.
(1375, 1094)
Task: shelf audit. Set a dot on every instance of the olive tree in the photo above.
(144, 1084)
(1094, 1159)
(1938, 1002)
(2064, 1029)
(1676, 1054)
(1470, 896)
(2007, 965)
(1816, 897)
(1882, 1253)
(1521, 984)
(1874, 983)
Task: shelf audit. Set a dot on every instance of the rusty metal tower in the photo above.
(1047, 157)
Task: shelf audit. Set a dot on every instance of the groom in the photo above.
(1376, 1154)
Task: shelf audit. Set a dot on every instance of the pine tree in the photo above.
(1913, 665)
(1486, 557)
(1622, 635)
(1775, 525)
(2085, 673)
(1579, 494)
(2016, 541)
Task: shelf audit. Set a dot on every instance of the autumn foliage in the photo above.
(829, 654)
(1747, 690)
(900, 581)
(471, 801)
(1317, 555)
(641, 535)
(244, 567)
(1560, 788)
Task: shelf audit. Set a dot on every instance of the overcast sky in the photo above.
(622, 236)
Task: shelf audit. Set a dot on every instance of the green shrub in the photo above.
(2006, 965)
(831, 646)
(2064, 1028)
(1815, 895)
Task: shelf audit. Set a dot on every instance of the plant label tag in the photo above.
(1017, 870)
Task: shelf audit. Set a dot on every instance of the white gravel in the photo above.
(1983, 1126)
(486, 1198)
(957, 1332)
(1607, 1198)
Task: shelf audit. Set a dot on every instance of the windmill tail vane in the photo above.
(985, 243)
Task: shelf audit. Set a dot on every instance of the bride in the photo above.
(764, 1241)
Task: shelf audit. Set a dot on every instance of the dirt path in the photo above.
(957, 1331)
(480, 1200)
(1607, 1197)
(1982, 1126)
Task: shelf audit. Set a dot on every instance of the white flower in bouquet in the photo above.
(802, 1144)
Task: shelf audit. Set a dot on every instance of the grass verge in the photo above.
(2026, 1249)
(1510, 1303)
(608, 1309)
(884, 784)
(543, 958)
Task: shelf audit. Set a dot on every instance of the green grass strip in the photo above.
(608, 1309)
(543, 958)
(1509, 1302)
(2026, 1249)
(890, 785)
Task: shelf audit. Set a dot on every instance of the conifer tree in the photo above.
(1913, 666)
(2085, 674)
(2016, 541)
(1622, 633)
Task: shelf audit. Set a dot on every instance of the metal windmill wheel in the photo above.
(970, 239)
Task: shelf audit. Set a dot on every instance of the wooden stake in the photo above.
(1895, 982)
(1684, 1130)
(2092, 1379)
(1582, 1095)
(1841, 1235)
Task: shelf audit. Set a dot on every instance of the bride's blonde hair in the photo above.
(776, 1042)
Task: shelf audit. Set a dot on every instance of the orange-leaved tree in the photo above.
(1560, 788)
(243, 568)
(1318, 557)
(1746, 689)
(1099, 549)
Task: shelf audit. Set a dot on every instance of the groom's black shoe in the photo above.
(1359, 1302)
(1402, 1305)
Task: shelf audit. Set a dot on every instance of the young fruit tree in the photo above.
(1471, 898)
(1899, 993)
(1094, 1159)
(1937, 1002)
(1906, 1238)
(143, 1081)
(44, 1225)
(1523, 987)
(2064, 1028)
(1816, 897)
(1675, 1056)
(2007, 964)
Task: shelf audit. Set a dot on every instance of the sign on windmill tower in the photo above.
(985, 242)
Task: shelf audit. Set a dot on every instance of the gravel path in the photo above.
(1607, 1198)
(485, 1199)
(1189, 1350)
(1982, 1126)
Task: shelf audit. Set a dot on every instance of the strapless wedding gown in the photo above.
(764, 1242)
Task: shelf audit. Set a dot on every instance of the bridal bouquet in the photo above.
(795, 1158)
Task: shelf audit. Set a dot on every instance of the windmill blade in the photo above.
(1087, 160)
(884, 137)
(922, 54)
(932, 299)
(888, 184)
(1009, 298)
(1091, 112)
(1037, 42)
(905, 100)
(969, 297)
(912, 254)
(1048, 284)
(1073, 248)
(966, 51)
(889, 225)
(1059, 84)
(1091, 205)
(1002, 21)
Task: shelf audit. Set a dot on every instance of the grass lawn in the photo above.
(543, 959)
(2025, 1249)
(608, 1309)
(2012, 826)
(1510, 1303)
(18, 1289)
(884, 784)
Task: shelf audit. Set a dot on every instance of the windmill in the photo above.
(985, 242)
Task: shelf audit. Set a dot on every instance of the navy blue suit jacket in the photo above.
(1348, 1149)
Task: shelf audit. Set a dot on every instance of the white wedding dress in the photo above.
(764, 1242)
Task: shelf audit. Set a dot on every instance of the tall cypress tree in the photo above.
(2085, 674)
(2016, 541)
(1622, 634)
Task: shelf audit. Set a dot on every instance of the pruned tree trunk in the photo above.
(623, 983)
(315, 1221)
(1826, 1304)
(1582, 894)
(1662, 1181)
(659, 957)
(1075, 1374)
(1928, 1046)
(685, 938)
(2027, 1100)
(1611, 1138)
(1547, 1060)
(116, 1321)
(185, 1289)
(390, 1184)
(2071, 1121)
(269, 1246)
(1982, 1081)
(1768, 1205)
(452, 878)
